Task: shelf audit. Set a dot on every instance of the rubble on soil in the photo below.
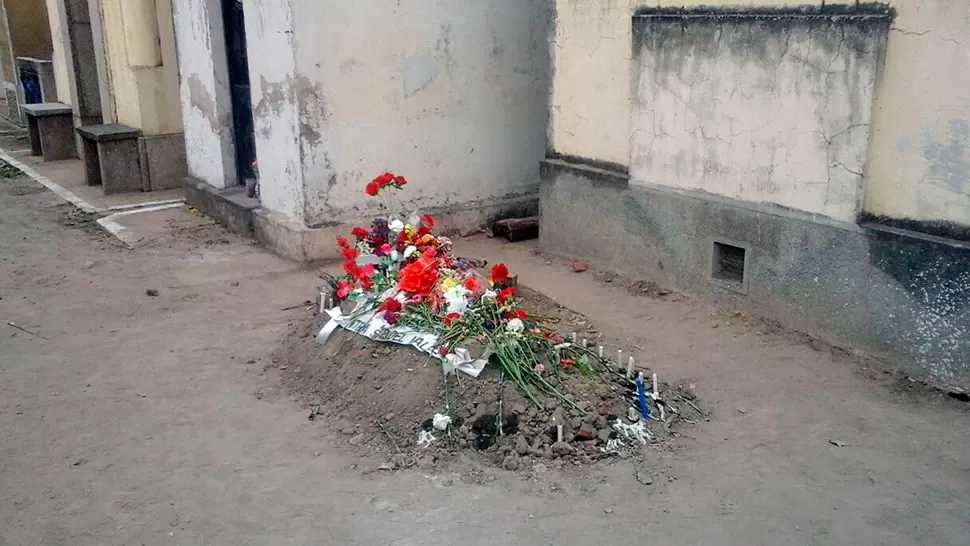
(392, 400)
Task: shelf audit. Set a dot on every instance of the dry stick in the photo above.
(404, 461)
(22, 329)
(691, 404)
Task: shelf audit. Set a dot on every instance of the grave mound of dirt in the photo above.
(383, 397)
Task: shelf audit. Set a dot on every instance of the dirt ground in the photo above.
(150, 420)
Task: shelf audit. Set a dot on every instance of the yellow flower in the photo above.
(448, 284)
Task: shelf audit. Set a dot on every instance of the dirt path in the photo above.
(149, 420)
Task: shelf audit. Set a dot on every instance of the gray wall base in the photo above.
(163, 163)
(891, 293)
(229, 207)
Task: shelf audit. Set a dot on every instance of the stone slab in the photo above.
(108, 132)
(47, 109)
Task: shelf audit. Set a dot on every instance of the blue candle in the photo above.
(641, 392)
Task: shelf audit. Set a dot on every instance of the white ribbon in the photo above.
(372, 325)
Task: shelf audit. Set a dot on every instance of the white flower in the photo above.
(490, 294)
(562, 346)
(515, 326)
(395, 256)
(456, 299)
(396, 226)
(410, 250)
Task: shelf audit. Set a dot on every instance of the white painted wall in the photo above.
(450, 93)
(272, 71)
(204, 91)
(774, 113)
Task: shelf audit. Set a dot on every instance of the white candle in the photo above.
(601, 351)
(584, 343)
(574, 337)
(558, 433)
(323, 301)
(619, 358)
(655, 393)
(629, 368)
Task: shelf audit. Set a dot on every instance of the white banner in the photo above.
(371, 324)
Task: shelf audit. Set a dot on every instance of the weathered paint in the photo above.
(59, 45)
(272, 73)
(204, 91)
(914, 166)
(451, 93)
(770, 107)
(144, 96)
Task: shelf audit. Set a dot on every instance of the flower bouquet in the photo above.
(400, 272)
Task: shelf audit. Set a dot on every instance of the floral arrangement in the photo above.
(409, 274)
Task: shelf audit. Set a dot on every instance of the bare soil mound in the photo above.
(383, 397)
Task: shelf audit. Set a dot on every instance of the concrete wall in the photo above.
(204, 91)
(29, 32)
(761, 109)
(139, 43)
(453, 94)
(888, 293)
(59, 51)
(917, 167)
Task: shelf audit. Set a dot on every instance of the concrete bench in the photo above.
(111, 157)
(50, 128)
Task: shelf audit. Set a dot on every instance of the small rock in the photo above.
(604, 434)
(522, 445)
(151, 292)
(644, 478)
(579, 266)
(837, 443)
(742, 411)
(387, 467)
(586, 432)
(511, 464)
(447, 482)
(356, 440)
(388, 416)
(81, 461)
(519, 409)
(562, 448)
(608, 511)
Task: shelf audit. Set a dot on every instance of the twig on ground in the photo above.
(405, 462)
(22, 329)
(691, 404)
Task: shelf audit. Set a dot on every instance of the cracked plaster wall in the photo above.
(204, 91)
(452, 94)
(761, 110)
(918, 157)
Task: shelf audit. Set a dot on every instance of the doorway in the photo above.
(240, 98)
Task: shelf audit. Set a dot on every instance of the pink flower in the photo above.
(539, 369)
(385, 248)
(344, 289)
(367, 270)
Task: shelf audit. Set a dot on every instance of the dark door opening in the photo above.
(242, 106)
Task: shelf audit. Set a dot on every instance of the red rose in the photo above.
(372, 188)
(400, 180)
(359, 232)
(506, 295)
(384, 179)
(451, 317)
(472, 285)
(499, 273)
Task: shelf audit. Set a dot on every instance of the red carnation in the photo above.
(342, 242)
(427, 220)
(400, 180)
(506, 295)
(451, 317)
(359, 232)
(472, 285)
(349, 253)
(384, 179)
(500, 273)
(390, 305)
(372, 188)
(517, 314)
